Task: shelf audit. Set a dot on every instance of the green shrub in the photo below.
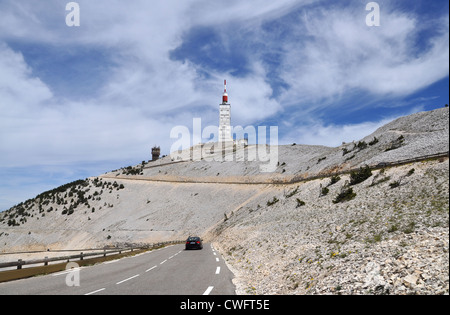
(361, 175)
(334, 180)
(409, 228)
(345, 195)
(374, 141)
(394, 184)
(273, 201)
(292, 193)
(396, 143)
(361, 145)
(300, 203)
(345, 151)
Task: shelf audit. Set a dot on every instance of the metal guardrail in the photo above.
(20, 262)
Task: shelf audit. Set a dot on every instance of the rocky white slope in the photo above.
(388, 239)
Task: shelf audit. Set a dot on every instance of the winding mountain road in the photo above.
(168, 271)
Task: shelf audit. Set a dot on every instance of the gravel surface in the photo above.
(387, 240)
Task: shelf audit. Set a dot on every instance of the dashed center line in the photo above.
(208, 291)
(150, 269)
(96, 291)
(127, 279)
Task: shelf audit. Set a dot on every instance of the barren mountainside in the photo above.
(310, 227)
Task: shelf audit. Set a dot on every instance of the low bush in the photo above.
(273, 201)
(361, 175)
(345, 195)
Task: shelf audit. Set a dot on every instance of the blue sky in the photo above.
(80, 101)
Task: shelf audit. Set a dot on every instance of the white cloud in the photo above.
(336, 53)
(213, 13)
(19, 88)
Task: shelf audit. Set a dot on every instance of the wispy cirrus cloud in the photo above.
(337, 54)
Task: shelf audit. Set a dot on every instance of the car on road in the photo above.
(194, 242)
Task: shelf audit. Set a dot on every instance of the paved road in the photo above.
(168, 271)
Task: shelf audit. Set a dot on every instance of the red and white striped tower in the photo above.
(225, 118)
(225, 94)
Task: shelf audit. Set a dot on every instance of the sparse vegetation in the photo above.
(345, 151)
(361, 145)
(396, 143)
(300, 203)
(136, 170)
(409, 228)
(374, 141)
(345, 195)
(66, 198)
(394, 184)
(377, 181)
(411, 171)
(334, 180)
(357, 177)
(292, 193)
(273, 201)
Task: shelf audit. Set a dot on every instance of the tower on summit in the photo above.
(225, 94)
(225, 118)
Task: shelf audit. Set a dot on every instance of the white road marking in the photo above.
(66, 272)
(150, 269)
(217, 270)
(163, 262)
(127, 279)
(208, 291)
(217, 259)
(93, 292)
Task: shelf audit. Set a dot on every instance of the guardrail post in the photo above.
(19, 264)
(104, 252)
(81, 256)
(46, 261)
